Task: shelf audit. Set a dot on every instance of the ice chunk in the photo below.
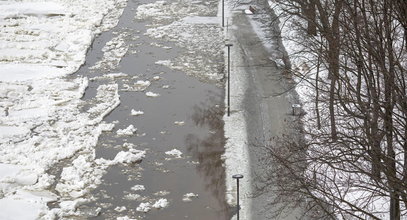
(161, 203)
(125, 218)
(144, 207)
(141, 85)
(132, 196)
(180, 123)
(120, 209)
(136, 113)
(152, 94)
(187, 197)
(138, 188)
(127, 131)
(174, 152)
(129, 157)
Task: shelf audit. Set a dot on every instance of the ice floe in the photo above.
(136, 113)
(113, 52)
(132, 156)
(138, 188)
(130, 130)
(161, 203)
(144, 207)
(152, 94)
(175, 153)
(188, 197)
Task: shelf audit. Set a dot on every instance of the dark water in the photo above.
(201, 138)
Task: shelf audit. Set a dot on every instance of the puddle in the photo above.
(187, 116)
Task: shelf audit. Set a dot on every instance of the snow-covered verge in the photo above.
(40, 119)
(348, 183)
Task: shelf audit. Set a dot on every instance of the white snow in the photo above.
(174, 152)
(136, 113)
(12, 9)
(17, 72)
(24, 205)
(161, 203)
(127, 131)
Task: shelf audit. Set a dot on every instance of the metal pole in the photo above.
(237, 177)
(238, 207)
(228, 80)
(229, 45)
(223, 13)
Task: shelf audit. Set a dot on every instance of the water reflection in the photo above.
(207, 150)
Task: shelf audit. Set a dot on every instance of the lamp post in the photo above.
(223, 13)
(237, 177)
(229, 45)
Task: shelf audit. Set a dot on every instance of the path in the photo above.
(265, 106)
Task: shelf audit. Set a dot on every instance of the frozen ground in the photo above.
(40, 119)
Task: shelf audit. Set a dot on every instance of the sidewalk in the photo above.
(261, 99)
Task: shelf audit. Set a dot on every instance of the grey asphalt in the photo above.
(267, 111)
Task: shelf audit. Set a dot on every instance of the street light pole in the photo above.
(223, 13)
(229, 45)
(237, 177)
